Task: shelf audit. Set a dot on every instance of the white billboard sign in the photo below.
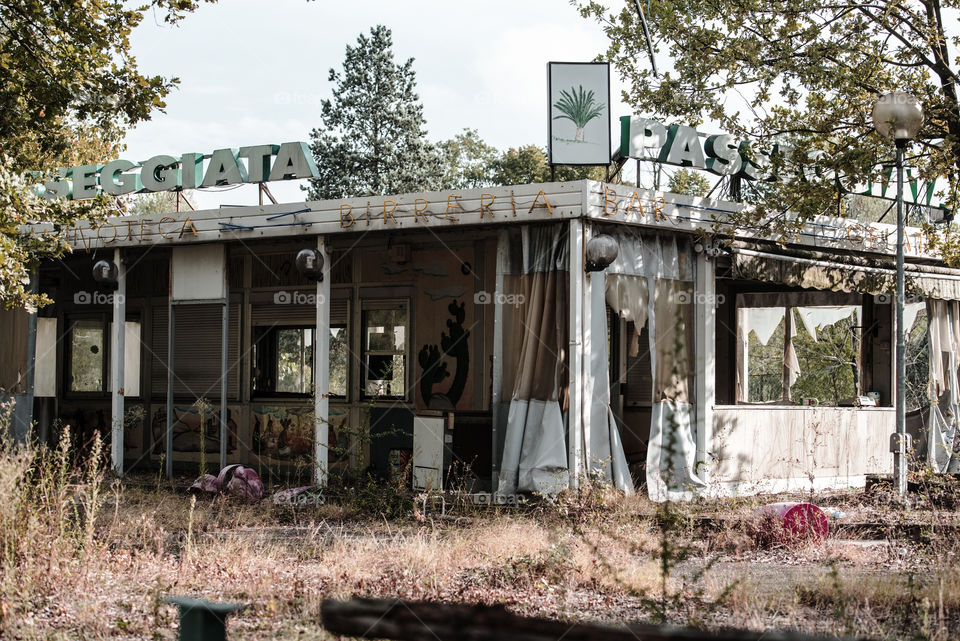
(579, 115)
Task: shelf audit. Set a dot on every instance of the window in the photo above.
(917, 355)
(804, 353)
(88, 358)
(339, 360)
(283, 360)
(762, 329)
(90, 367)
(385, 350)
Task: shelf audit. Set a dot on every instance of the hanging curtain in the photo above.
(535, 322)
(944, 341)
(606, 459)
(652, 281)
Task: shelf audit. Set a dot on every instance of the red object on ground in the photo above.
(800, 521)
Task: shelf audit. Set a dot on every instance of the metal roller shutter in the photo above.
(197, 355)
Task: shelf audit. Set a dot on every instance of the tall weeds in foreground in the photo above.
(48, 508)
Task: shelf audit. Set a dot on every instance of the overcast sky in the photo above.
(255, 72)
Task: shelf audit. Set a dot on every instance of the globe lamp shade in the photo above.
(898, 116)
(601, 251)
(309, 263)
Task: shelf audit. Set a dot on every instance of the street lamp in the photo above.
(898, 115)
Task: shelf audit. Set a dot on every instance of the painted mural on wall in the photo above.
(454, 344)
(284, 435)
(191, 432)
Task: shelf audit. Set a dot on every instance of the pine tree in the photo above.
(373, 139)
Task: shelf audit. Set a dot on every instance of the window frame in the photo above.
(71, 325)
(271, 332)
(384, 304)
(789, 301)
(106, 325)
(257, 394)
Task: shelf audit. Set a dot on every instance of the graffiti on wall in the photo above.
(191, 432)
(285, 434)
(454, 344)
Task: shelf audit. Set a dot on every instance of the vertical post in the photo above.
(705, 375)
(224, 350)
(900, 456)
(587, 347)
(321, 370)
(496, 392)
(786, 394)
(575, 355)
(23, 416)
(170, 341)
(117, 354)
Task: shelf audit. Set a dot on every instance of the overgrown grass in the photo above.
(85, 557)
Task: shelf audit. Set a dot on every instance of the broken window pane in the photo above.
(762, 353)
(87, 356)
(827, 346)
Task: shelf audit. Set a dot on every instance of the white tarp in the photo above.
(762, 321)
(606, 459)
(944, 341)
(816, 318)
(650, 263)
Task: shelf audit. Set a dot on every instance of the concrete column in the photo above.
(705, 319)
(575, 357)
(321, 371)
(117, 352)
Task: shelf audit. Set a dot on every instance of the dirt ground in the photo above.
(886, 571)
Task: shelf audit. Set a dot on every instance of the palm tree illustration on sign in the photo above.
(579, 107)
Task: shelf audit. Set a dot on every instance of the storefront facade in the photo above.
(467, 342)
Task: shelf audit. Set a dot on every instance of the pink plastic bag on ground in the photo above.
(236, 480)
(207, 483)
(241, 481)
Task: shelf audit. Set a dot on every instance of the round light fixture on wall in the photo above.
(309, 263)
(601, 251)
(105, 271)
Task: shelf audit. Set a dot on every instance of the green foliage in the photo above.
(70, 88)
(829, 368)
(373, 137)
(528, 164)
(804, 74)
(688, 182)
(467, 160)
(154, 204)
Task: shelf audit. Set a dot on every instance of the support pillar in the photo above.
(117, 353)
(705, 319)
(321, 370)
(224, 351)
(496, 393)
(575, 422)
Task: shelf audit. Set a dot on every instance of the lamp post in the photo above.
(898, 115)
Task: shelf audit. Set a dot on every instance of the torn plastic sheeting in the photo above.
(235, 479)
(762, 321)
(816, 318)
